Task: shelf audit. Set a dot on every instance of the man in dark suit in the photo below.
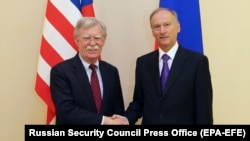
(70, 80)
(186, 97)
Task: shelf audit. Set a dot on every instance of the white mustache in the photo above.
(92, 48)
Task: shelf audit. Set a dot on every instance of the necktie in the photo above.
(164, 71)
(95, 88)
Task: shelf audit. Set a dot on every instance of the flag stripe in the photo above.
(43, 69)
(57, 41)
(88, 11)
(43, 90)
(50, 115)
(69, 10)
(49, 54)
(62, 25)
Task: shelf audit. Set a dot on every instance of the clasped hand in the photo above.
(115, 120)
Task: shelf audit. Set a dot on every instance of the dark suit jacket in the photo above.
(72, 96)
(187, 98)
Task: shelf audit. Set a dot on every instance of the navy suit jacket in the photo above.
(187, 98)
(72, 96)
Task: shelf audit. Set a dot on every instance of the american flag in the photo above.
(57, 43)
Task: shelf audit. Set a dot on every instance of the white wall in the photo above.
(226, 32)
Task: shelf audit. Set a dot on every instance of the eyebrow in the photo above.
(92, 36)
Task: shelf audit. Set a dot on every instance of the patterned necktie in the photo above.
(164, 71)
(95, 88)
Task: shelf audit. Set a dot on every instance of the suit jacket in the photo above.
(187, 98)
(72, 95)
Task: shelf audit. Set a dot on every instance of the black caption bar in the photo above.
(80, 132)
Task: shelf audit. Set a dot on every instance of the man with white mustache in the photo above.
(70, 80)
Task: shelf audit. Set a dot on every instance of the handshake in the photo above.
(115, 120)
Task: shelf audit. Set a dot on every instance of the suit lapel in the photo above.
(82, 77)
(154, 69)
(178, 66)
(105, 80)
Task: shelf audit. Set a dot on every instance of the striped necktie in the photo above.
(164, 71)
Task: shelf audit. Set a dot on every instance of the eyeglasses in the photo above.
(95, 38)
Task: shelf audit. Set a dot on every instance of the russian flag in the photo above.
(188, 12)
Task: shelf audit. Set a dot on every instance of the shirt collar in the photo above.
(86, 64)
(171, 53)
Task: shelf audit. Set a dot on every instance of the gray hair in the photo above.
(164, 9)
(87, 22)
